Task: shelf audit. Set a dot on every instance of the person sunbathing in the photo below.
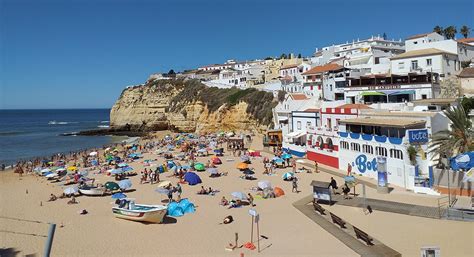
(203, 191)
(224, 201)
(52, 198)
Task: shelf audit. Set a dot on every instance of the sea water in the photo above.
(25, 134)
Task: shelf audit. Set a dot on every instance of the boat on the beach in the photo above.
(141, 212)
(92, 190)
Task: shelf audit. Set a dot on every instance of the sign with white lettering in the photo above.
(418, 136)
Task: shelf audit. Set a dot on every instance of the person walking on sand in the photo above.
(333, 184)
(316, 167)
(294, 182)
(179, 190)
(293, 165)
(250, 199)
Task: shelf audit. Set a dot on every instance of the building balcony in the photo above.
(372, 138)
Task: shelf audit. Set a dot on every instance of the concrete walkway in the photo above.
(346, 236)
(393, 207)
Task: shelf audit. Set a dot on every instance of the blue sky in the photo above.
(82, 53)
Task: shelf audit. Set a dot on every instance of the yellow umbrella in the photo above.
(251, 151)
(242, 166)
(72, 168)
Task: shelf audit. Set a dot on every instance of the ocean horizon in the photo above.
(31, 133)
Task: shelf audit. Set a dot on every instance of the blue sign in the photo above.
(363, 164)
(382, 179)
(418, 136)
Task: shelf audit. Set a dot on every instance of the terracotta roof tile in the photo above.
(467, 73)
(466, 40)
(299, 97)
(323, 68)
(311, 110)
(421, 52)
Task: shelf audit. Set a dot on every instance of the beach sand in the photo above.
(289, 232)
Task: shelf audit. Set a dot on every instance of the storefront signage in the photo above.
(418, 136)
(384, 87)
(363, 164)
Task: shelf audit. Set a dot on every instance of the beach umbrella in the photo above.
(239, 196)
(127, 168)
(213, 170)
(278, 160)
(72, 168)
(462, 161)
(122, 164)
(245, 158)
(199, 166)
(202, 150)
(216, 160)
(162, 191)
(125, 184)
(264, 184)
(192, 178)
(111, 185)
(286, 156)
(116, 171)
(278, 191)
(71, 190)
(51, 175)
(288, 175)
(44, 171)
(165, 183)
(242, 166)
(92, 153)
(300, 161)
(119, 196)
(248, 172)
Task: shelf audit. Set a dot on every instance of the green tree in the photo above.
(467, 103)
(450, 32)
(281, 95)
(459, 139)
(465, 31)
(412, 153)
(299, 56)
(171, 72)
(283, 56)
(438, 30)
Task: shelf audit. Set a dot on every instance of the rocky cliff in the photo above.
(189, 106)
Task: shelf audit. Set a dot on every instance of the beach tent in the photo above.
(242, 166)
(174, 210)
(192, 178)
(199, 167)
(286, 156)
(264, 184)
(288, 175)
(71, 190)
(463, 161)
(186, 206)
(278, 191)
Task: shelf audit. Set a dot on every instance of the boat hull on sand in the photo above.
(142, 213)
(92, 191)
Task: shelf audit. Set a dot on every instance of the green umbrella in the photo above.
(111, 185)
(199, 167)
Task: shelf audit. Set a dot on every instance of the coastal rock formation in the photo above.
(189, 106)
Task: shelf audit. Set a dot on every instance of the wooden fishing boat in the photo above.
(141, 212)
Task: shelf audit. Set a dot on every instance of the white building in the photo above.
(389, 134)
(323, 81)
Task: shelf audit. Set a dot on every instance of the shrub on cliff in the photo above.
(260, 103)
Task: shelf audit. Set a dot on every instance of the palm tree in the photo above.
(438, 30)
(465, 30)
(450, 32)
(457, 140)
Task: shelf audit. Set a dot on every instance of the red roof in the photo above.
(323, 68)
(311, 110)
(466, 40)
(298, 96)
(354, 106)
(467, 73)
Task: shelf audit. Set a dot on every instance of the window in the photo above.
(414, 65)
(377, 60)
(401, 65)
(416, 42)
(382, 151)
(308, 124)
(368, 149)
(424, 96)
(355, 147)
(344, 145)
(298, 125)
(397, 154)
(429, 62)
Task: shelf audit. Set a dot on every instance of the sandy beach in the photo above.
(289, 232)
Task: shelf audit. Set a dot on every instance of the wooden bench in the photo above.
(319, 208)
(363, 236)
(338, 220)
